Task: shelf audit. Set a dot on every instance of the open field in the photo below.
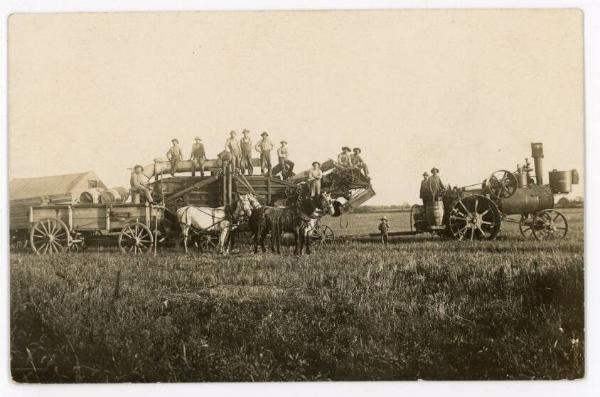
(425, 308)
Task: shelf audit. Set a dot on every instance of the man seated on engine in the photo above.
(139, 184)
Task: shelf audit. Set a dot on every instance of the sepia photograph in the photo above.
(296, 195)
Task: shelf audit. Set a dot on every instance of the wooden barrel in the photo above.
(435, 213)
(114, 195)
(136, 197)
(90, 196)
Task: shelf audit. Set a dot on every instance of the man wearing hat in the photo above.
(435, 188)
(314, 179)
(343, 158)
(357, 162)
(423, 190)
(383, 229)
(264, 147)
(174, 155)
(138, 183)
(198, 156)
(246, 144)
(285, 164)
(232, 145)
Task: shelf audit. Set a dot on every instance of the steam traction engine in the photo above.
(477, 213)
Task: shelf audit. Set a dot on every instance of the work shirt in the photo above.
(174, 153)
(264, 145)
(384, 227)
(356, 160)
(246, 144)
(343, 158)
(198, 151)
(435, 188)
(233, 145)
(282, 152)
(315, 174)
(138, 181)
(423, 191)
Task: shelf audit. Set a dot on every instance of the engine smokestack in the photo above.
(537, 152)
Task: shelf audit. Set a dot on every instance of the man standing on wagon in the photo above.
(246, 144)
(264, 147)
(198, 155)
(174, 155)
(286, 165)
(232, 145)
(343, 158)
(314, 179)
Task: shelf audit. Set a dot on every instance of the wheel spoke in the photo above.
(472, 233)
(476, 202)
(463, 205)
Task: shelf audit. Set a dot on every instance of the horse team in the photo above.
(298, 219)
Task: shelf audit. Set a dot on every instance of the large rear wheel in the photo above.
(474, 218)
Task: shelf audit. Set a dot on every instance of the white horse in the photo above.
(207, 219)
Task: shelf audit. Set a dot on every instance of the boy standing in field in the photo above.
(383, 229)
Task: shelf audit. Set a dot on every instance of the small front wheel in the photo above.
(550, 225)
(136, 238)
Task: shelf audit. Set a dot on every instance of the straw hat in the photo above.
(426, 173)
(357, 149)
(264, 134)
(316, 162)
(197, 138)
(138, 166)
(175, 140)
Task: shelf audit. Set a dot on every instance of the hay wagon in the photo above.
(58, 228)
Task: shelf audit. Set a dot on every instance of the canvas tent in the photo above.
(68, 187)
(56, 189)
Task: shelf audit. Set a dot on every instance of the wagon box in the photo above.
(57, 228)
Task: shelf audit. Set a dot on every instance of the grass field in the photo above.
(425, 308)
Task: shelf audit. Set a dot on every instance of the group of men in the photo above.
(239, 152)
(350, 158)
(432, 188)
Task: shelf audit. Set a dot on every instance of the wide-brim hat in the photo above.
(316, 162)
(434, 170)
(175, 140)
(197, 138)
(357, 149)
(383, 218)
(346, 148)
(245, 131)
(283, 142)
(426, 173)
(135, 167)
(264, 134)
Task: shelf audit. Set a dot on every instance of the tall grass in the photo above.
(422, 309)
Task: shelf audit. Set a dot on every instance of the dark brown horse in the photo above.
(297, 219)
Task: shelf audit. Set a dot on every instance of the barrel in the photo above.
(435, 213)
(90, 196)
(560, 181)
(575, 177)
(114, 195)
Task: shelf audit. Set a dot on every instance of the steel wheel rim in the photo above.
(135, 239)
(550, 225)
(209, 243)
(474, 218)
(49, 236)
(526, 228)
(327, 235)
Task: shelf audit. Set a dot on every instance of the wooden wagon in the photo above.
(62, 228)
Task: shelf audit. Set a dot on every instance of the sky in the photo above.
(466, 91)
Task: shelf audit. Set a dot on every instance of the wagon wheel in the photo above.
(136, 238)
(209, 242)
(550, 225)
(474, 217)
(76, 246)
(49, 236)
(502, 184)
(525, 226)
